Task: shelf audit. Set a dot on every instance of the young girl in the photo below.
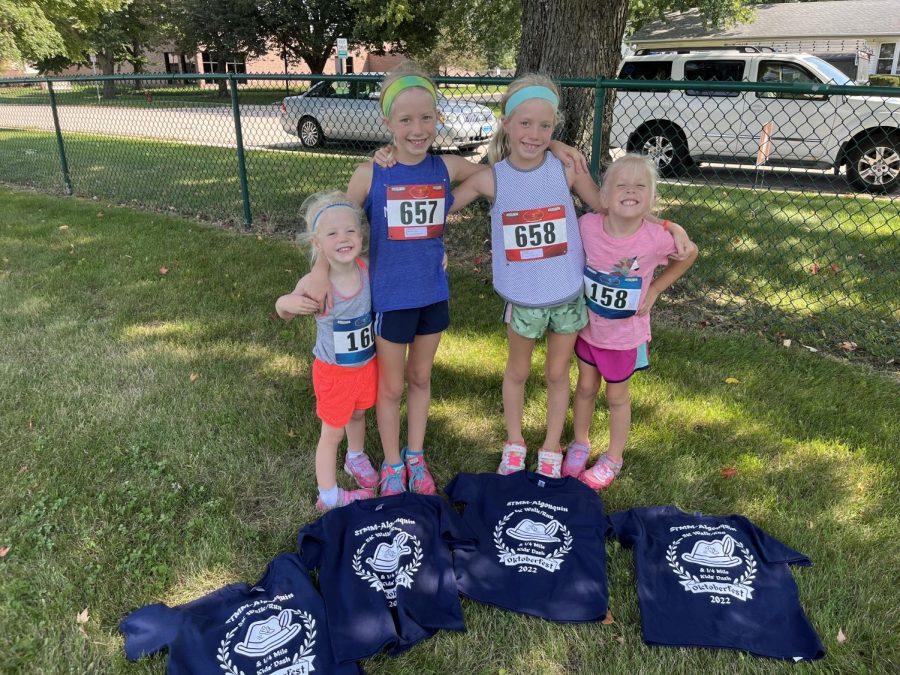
(407, 205)
(623, 250)
(537, 257)
(345, 374)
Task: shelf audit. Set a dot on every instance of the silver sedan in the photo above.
(349, 111)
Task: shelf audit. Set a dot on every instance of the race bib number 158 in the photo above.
(415, 211)
(610, 295)
(535, 234)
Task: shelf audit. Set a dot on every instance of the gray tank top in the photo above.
(536, 249)
(344, 336)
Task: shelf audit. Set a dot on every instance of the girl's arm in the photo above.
(669, 276)
(292, 304)
(480, 184)
(461, 169)
(569, 156)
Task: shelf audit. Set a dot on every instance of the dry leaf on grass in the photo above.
(728, 472)
(3, 551)
(83, 616)
(786, 343)
(63, 227)
(620, 639)
(195, 377)
(812, 349)
(841, 638)
(608, 619)
(164, 270)
(848, 345)
(291, 433)
(732, 380)
(814, 269)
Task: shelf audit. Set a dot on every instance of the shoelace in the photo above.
(416, 470)
(547, 467)
(514, 459)
(359, 466)
(392, 481)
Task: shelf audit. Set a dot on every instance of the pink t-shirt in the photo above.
(618, 272)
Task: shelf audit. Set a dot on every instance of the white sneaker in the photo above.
(513, 459)
(550, 463)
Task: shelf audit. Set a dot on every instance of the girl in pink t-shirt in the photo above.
(623, 249)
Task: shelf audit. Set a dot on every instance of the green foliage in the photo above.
(714, 12)
(478, 35)
(308, 29)
(413, 27)
(884, 80)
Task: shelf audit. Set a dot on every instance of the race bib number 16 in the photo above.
(610, 295)
(353, 340)
(415, 211)
(535, 234)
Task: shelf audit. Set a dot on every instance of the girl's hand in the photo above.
(444, 262)
(569, 156)
(683, 244)
(647, 301)
(384, 157)
(316, 288)
(291, 305)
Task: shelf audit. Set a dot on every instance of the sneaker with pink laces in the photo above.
(550, 463)
(362, 470)
(420, 480)
(346, 497)
(602, 474)
(576, 458)
(392, 481)
(513, 459)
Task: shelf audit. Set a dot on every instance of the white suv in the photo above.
(679, 127)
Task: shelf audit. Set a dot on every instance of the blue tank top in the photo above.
(536, 250)
(407, 208)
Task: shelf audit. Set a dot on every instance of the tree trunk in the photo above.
(574, 39)
(137, 63)
(107, 67)
(223, 84)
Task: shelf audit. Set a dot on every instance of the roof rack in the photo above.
(743, 49)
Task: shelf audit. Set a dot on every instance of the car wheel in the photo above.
(873, 164)
(664, 146)
(310, 133)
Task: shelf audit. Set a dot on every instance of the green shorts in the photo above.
(533, 322)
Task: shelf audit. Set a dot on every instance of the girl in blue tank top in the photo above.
(537, 257)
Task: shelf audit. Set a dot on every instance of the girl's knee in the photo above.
(587, 389)
(332, 434)
(358, 415)
(617, 397)
(419, 377)
(390, 389)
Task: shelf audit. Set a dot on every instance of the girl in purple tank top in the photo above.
(537, 257)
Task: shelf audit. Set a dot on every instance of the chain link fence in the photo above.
(791, 190)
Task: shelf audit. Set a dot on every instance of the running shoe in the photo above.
(362, 470)
(393, 481)
(420, 480)
(550, 463)
(602, 474)
(513, 459)
(576, 458)
(346, 497)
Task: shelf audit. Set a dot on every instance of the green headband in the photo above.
(527, 93)
(401, 84)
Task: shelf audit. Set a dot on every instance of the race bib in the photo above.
(535, 234)
(415, 211)
(354, 340)
(611, 296)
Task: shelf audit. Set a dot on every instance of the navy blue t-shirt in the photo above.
(541, 545)
(716, 581)
(276, 627)
(386, 571)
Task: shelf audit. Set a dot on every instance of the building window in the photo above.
(234, 64)
(887, 59)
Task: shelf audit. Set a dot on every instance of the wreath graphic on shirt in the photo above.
(715, 556)
(382, 570)
(533, 534)
(265, 636)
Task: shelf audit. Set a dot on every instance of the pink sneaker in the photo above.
(420, 480)
(362, 471)
(346, 497)
(602, 474)
(549, 463)
(576, 458)
(392, 481)
(513, 459)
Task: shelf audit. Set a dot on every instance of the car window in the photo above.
(780, 72)
(365, 90)
(321, 90)
(714, 71)
(646, 70)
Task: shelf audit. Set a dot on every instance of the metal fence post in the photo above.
(597, 138)
(67, 180)
(239, 138)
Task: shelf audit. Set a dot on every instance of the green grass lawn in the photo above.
(157, 439)
(757, 247)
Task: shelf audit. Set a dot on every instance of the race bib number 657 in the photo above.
(535, 234)
(415, 211)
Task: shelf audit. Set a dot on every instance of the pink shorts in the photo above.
(614, 365)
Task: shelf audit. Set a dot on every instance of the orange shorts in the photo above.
(341, 389)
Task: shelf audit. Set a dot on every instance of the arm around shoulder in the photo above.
(479, 184)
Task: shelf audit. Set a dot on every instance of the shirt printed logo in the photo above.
(717, 564)
(388, 558)
(532, 539)
(264, 640)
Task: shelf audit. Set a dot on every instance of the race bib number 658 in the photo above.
(535, 234)
(415, 211)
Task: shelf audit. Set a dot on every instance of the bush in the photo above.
(884, 80)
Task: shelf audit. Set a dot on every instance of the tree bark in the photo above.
(574, 39)
(107, 67)
(220, 68)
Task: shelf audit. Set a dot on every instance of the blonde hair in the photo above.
(404, 69)
(637, 162)
(315, 205)
(499, 146)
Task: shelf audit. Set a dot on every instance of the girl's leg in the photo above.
(585, 401)
(326, 456)
(518, 367)
(356, 431)
(391, 367)
(618, 398)
(418, 397)
(556, 371)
